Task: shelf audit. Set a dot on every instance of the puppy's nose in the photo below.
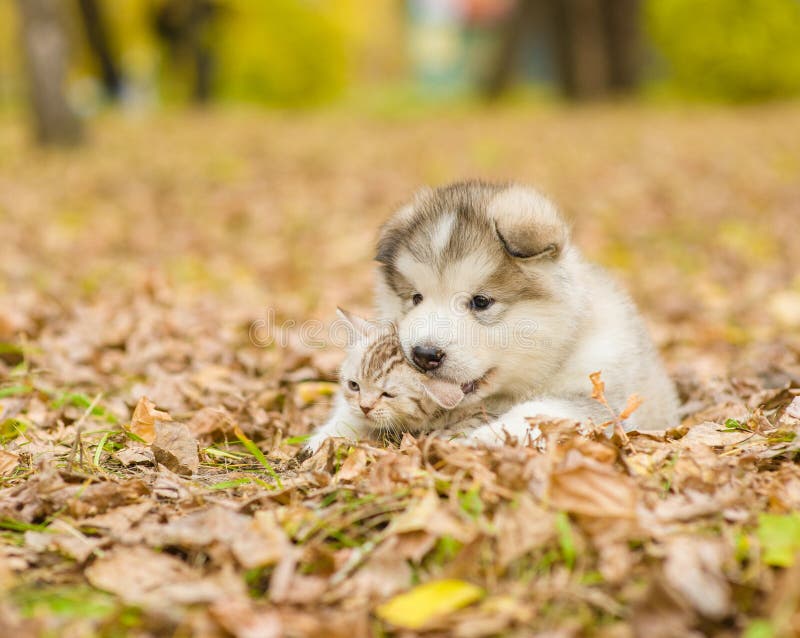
(427, 357)
(366, 409)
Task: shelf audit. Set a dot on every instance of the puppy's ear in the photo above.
(528, 224)
(446, 395)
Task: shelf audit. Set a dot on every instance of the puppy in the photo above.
(489, 293)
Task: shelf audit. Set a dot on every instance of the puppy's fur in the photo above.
(553, 320)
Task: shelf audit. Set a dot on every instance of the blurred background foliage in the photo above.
(303, 53)
(728, 49)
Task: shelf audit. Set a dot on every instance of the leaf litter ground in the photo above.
(153, 399)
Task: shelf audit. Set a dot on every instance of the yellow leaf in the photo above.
(310, 391)
(143, 421)
(416, 608)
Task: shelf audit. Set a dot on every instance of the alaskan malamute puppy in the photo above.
(488, 292)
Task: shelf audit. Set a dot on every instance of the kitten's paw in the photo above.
(315, 443)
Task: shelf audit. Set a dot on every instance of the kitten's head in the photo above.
(379, 384)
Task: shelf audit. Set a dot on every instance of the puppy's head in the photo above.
(477, 278)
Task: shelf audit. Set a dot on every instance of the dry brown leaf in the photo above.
(662, 613)
(238, 617)
(132, 573)
(384, 573)
(353, 465)
(634, 402)
(175, 447)
(208, 422)
(134, 453)
(521, 526)
(143, 420)
(593, 489)
(8, 462)
(428, 515)
(255, 542)
(598, 387)
(119, 519)
(693, 567)
(714, 435)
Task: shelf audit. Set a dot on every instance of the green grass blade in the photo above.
(253, 449)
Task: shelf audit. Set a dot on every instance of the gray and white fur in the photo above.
(489, 293)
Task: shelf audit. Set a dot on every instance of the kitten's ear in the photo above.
(358, 326)
(447, 395)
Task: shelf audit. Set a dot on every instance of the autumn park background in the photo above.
(177, 175)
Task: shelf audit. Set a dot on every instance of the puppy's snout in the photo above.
(427, 357)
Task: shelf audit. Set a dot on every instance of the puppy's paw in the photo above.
(512, 426)
(489, 434)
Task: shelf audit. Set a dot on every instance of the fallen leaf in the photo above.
(693, 567)
(135, 454)
(118, 519)
(793, 410)
(427, 602)
(176, 448)
(521, 526)
(779, 535)
(593, 489)
(384, 573)
(134, 572)
(713, 435)
(144, 418)
(427, 514)
(211, 421)
(255, 541)
(633, 404)
(310, 391)
(353, 465)
(8, 462)
(238, 617)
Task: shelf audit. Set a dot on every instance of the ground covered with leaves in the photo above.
(154, 392)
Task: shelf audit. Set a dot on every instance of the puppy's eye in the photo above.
(480, 302)
(416, 299)
(353, 386)
(388, 395)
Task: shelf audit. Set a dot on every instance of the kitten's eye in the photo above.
(416, 299)
(480, 302)
(388, 396)
(353, 386)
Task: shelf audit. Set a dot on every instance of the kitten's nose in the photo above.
(427, 357)
(366, 409)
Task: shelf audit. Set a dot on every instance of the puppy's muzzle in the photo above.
(427, 357)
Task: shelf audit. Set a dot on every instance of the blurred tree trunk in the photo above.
(502, 72)
(596, 45)
(624, 41)
(581, 56)
(46, 52)
(99, 39)
(184, 25)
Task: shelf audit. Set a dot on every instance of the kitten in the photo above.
(382, 395)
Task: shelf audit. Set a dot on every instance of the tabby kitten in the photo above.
(382, 395)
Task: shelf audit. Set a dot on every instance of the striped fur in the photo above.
(392, 397)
